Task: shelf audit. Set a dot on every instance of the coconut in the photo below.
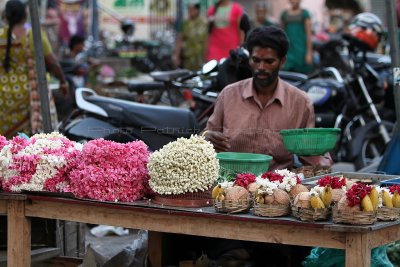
(236, 193)
(281, 197)
(297, 189)
(269, 199)
(302, 200)
(253, 187)
(337, 194)
(343, 204)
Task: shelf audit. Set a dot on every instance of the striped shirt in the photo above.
(253, 128)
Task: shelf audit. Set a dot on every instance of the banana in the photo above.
(216, 190)
(396, 200)
(260, 199)
(316, 202)
(387, 199)
(374, 196)
(327, 195)
(366, 204)
(220, 196)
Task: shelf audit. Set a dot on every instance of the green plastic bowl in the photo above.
(235, 162)
(310, 141)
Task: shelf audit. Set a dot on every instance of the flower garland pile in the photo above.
(244, 179)
(334, 181)
(183, 166)
(110, 171)
(40, 163)
(356, 193)
(284, 179)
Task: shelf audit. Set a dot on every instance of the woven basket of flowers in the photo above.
(308, 206)
(389, 198)
(270, 201)
(356, 207)
(183, 172)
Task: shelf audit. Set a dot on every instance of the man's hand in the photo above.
(64, 87)
(219, 140)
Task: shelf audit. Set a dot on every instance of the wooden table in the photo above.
(356, 240)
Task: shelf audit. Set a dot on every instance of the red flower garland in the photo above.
(356, 193)
(272, 176)
(394, 188)
(334, 181)
(244, 179)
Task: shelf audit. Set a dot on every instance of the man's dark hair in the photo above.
(75, 40)
(268, 36)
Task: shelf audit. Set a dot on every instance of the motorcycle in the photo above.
(124, 121)
(351, 101)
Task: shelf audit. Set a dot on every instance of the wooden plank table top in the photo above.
(356, 240)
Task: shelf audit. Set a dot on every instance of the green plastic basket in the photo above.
(310, 141)
(235, 162)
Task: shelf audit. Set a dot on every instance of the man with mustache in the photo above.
(249, 114)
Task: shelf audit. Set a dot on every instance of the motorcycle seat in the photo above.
(140, 87)
(169, 75)
(173, 121)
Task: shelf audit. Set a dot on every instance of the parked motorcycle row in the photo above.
(351, 90)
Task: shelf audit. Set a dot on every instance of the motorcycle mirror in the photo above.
(209, 66)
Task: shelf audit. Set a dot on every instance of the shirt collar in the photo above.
(279, 93)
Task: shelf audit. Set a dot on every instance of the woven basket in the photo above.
(322, 170)
(353, 217)
(232, 206)
(310, 214)
(266, 210)
(388, 214)
(307, 171)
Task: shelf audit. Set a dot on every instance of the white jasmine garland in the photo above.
(289, 179)
(266, 186)
(317, 190)
(182, 166)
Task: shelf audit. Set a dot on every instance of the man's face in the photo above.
(261, 14)
(265, 64)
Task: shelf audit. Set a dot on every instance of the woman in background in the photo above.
(19, 97)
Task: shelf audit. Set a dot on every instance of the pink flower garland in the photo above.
(111, 171)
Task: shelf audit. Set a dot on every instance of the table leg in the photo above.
(154, 249)
(18, 234)
(358, 250)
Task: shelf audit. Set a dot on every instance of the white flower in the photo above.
(182, 166)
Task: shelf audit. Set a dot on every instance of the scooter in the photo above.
(124, 121)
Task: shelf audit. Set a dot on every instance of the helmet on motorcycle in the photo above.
(128, 26)
(366, 28)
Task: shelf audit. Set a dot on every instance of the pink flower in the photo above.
(111, 171)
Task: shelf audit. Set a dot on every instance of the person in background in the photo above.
(19, 97)
(224, 29)
(249, 114)
(192, 39)
(261, 11)
(297, 24)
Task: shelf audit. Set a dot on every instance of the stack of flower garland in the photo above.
(111, 171)
(39, 163)
(183, 166)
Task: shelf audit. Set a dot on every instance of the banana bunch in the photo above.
(366, 204)
(374, 197)
(396, 200)
(259, 198)
(387, 199)
(217, 190)
(326, 195)
(316, 202)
